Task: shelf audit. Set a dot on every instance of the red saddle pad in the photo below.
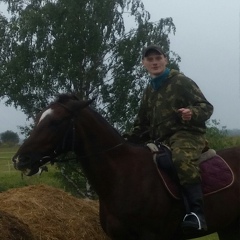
(216, 176)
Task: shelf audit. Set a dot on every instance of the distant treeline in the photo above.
(233, 132)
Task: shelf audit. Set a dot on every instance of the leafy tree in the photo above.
(53, 46)
(9, 137)
(217, 135)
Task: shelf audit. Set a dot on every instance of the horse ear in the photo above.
(82, 103)
(92, 100)
(88, 102)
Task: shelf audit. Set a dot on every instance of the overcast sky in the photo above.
(208, 41)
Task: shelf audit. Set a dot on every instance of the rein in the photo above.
(172, 116)
(54, 159)
(101, 152)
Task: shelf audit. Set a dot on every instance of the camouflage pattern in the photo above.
(186, 149)
(158, 119)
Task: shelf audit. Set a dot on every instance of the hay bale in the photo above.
(11, 228)
(53, 214)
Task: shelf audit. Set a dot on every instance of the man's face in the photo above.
(155, 63)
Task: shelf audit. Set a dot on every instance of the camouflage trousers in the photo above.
(186, 149)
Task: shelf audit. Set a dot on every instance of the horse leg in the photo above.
(232, 232)
(112, 226)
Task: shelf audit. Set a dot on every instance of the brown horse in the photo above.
(134, 202)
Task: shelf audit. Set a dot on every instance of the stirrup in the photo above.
(195, 215)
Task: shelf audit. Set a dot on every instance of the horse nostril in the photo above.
(15, 162)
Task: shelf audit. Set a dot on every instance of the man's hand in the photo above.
(185, 113)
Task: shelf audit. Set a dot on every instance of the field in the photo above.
(10, 178)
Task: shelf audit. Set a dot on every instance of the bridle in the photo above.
(72, 131)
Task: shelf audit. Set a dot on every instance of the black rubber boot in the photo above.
(194, 220)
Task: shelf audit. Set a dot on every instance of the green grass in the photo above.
(14, 180)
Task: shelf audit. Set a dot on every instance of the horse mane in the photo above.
(65, 97)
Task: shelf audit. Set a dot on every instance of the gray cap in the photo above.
(154, 48)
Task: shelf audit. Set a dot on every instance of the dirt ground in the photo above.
(45, 213)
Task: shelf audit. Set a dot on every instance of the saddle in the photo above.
(215, 173)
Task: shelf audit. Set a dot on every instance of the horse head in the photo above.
(51, 135)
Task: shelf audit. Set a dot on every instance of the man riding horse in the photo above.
(173, 110)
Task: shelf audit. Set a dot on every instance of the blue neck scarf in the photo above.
(158, 81)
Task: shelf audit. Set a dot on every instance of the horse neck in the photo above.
(96, 133)
(99, 144)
